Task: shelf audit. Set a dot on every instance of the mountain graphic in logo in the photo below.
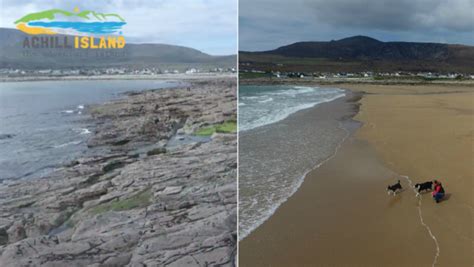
(55, 21)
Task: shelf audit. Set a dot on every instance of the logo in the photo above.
(90, 29)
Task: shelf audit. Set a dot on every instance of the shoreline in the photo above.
(344, 107)
(291, 249)
(328, 210)
(134, 203)
(171, 77)
(58, 131)
(335, 82)
(314, 104)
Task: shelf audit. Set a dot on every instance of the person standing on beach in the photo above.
(438, 192)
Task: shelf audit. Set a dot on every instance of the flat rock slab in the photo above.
(170, 190)
(175, 208)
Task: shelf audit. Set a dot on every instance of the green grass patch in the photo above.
(206, 131)
(226, 127)
(139, 200)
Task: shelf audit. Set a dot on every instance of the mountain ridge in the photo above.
(362, 53)
(133, 55)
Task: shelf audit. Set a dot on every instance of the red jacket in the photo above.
(438, 189)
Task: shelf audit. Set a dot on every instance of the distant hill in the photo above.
(12, 55)
(361, 53)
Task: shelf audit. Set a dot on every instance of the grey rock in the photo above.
(170, 190)
(156, 151)
(175, 208)
(16, 232)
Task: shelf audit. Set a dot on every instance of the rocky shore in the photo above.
(156, 195)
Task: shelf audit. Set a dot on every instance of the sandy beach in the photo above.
(342, 215)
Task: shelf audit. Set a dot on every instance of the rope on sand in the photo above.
(422, 221)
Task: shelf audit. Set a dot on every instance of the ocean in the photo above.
(44, 125)
(262, 105)
(281, 139)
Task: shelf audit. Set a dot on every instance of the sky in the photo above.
(268, 24)
(207, 25)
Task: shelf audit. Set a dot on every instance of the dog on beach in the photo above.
(394, 188)
(424, 186)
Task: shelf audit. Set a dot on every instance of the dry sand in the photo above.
(342, 216)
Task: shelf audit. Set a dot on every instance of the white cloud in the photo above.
(207, 25)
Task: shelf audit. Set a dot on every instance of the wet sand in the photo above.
(342, 215)
(272, 165)
(427, 132)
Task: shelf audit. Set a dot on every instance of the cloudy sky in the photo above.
(207, 25)
(267, 24)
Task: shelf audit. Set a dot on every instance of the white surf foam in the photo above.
(298, 90)
(268, 213)
(85, 131)
(266, 100)
(270, 106)
(250, 97)
(282, 114)
(67, 144)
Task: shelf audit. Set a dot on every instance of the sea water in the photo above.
(44, 124)
(281, 139)
(262, 105)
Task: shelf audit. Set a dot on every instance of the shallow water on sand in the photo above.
(274, 158)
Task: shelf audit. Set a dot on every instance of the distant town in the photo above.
(244, 73)
(249, 73)
(13, 72)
